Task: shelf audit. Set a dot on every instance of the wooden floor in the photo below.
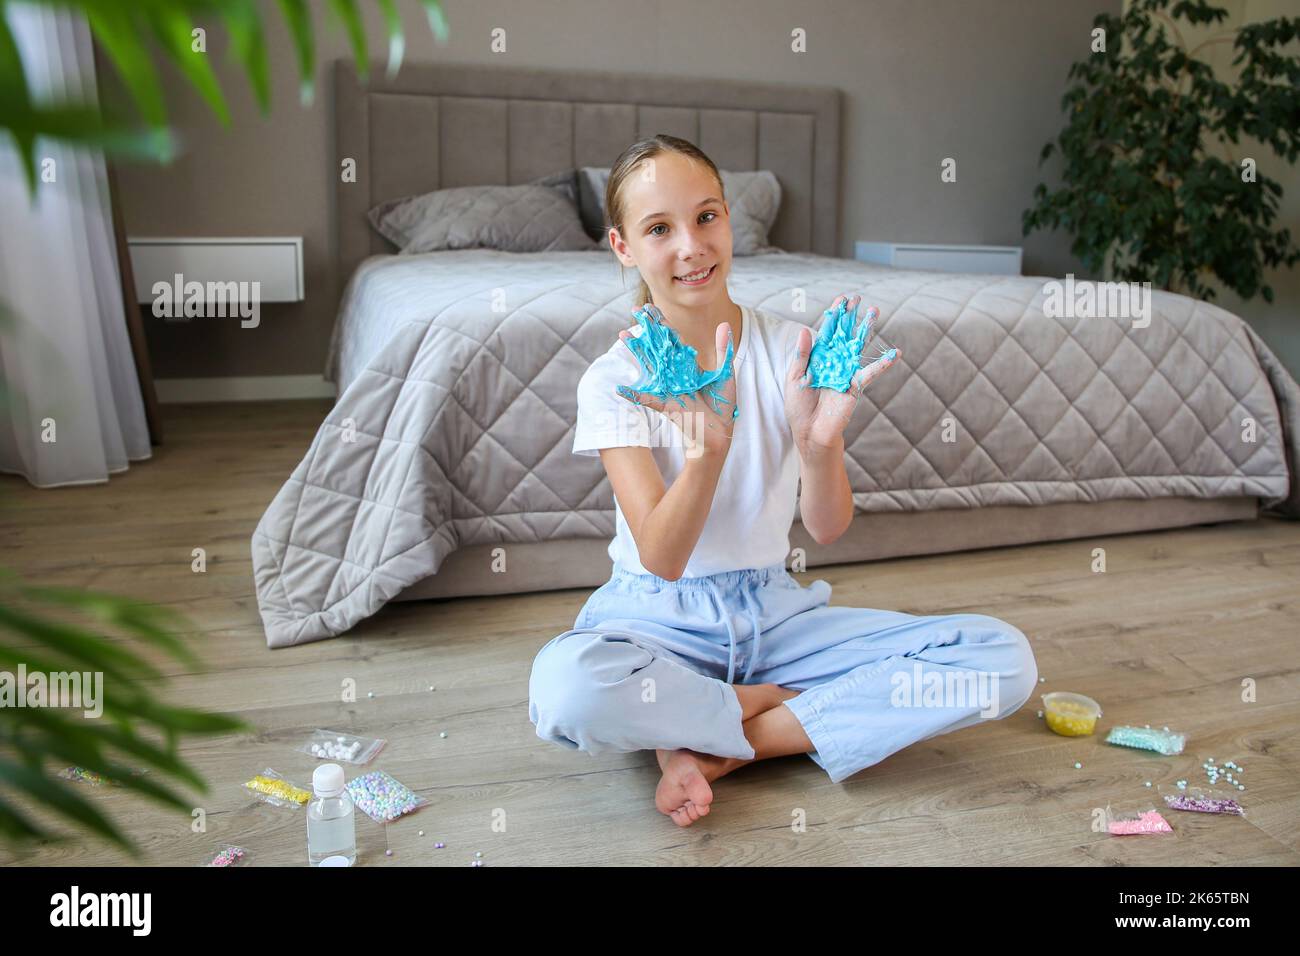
(1166, 635)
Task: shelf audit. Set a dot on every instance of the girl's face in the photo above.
(676, 225)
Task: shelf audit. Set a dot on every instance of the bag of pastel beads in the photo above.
(226, 855)
(1144, 821)
(381, 797)
(1167, 742)
(337, 746)
(274, 789)
(1201, 799)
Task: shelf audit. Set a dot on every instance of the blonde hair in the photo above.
(627, 162)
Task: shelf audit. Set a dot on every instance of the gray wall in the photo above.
(977, 80)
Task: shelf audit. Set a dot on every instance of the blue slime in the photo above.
(670, 367)
(836, 354)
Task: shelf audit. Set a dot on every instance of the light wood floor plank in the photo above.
(1165, 636)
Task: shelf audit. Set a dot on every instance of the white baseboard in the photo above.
(242, 388)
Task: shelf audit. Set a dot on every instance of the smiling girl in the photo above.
(704, 502)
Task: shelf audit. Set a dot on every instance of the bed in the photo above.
(445, 467)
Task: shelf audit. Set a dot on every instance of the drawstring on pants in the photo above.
(731, 631)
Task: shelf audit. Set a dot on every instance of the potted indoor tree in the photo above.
(1157, 185)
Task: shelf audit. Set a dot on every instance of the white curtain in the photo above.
(65, 356)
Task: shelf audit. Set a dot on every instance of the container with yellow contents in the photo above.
(1071, 715)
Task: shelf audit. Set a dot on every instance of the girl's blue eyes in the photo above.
(653, 228)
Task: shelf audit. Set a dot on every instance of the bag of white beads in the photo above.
(335, 745)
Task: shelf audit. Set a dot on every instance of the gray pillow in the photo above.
(592, 181)
(526, 218)
(565, 181)
(753, 197)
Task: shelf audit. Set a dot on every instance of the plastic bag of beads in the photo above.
(334, 745)
(92, 779)
(1164, 741)
(1201, 799)
(381, 797)
(1145, 821)
(88, 777)
(226, 855)
(276, 790)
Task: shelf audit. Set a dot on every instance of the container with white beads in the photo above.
(336, 745)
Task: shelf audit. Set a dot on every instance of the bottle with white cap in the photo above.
(331, 820)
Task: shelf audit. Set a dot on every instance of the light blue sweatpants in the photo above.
(650, 663)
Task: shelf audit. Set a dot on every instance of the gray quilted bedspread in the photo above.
(457, 374)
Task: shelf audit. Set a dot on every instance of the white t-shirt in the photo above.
(753, 508)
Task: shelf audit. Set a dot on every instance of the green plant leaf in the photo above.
(297, 17)
(15, 100)
(189, 721)
(61, 800)
(173, 29)
(346, 11)
(149, 621)
(15, 827)
(248, 45)
(396, 43)
(78, 644)
(1138, 178)
(63, 746)
(119, 35)
(437, 19)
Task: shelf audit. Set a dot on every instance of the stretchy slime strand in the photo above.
(671, 368)
(1161, 741)
(836, 355)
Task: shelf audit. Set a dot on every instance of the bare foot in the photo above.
(684, 793)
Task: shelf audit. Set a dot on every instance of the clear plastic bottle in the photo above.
(331, 820)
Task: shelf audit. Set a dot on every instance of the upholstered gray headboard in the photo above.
(436, 126)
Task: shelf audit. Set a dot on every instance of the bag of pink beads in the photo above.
(1201, 800)
(1147, 820)
(226, 855)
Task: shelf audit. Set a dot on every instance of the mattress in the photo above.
(457, 374)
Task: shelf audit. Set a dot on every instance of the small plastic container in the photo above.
(1070, 715)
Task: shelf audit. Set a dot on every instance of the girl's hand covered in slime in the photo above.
(825, 381)
(700, 403)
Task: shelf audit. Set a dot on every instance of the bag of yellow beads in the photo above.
(274, 789)
(1071, 715)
